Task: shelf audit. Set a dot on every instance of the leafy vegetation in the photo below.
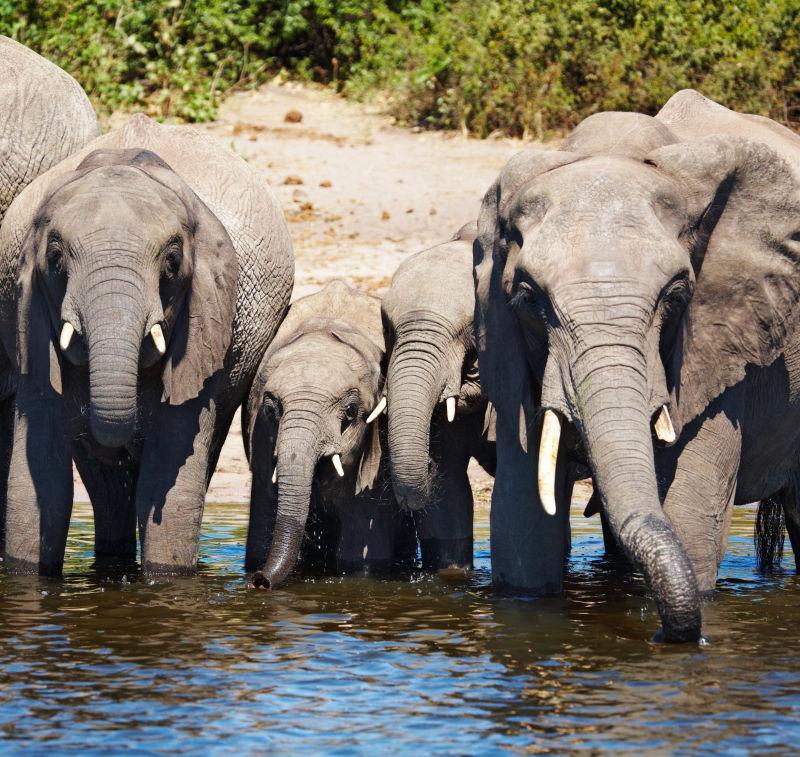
(518, 66)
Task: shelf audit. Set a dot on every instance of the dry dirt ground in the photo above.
(359, 193)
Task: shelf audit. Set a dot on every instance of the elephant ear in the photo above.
(370, 462)
(372, 355)
(744, 241)
(505, 376)
(203, 330)
(37, 357)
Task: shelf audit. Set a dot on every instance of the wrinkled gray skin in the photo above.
(644, 263)
(427, 315)
(314, 390)
(147, 225)
(45, 116)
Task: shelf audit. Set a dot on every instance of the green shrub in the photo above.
(518, 66)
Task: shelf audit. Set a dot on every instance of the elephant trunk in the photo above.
(114, 323)
(297, 453)
(612, 402)
(414, 385)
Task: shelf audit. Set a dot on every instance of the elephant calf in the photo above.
(438, 416)
(312, 430)
(141, 281)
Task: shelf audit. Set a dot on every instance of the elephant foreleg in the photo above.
(367, 535)
(171, 488)
(39, 503)
(527, 544)
(112, 492)
(699, 500)
(7, 407)
(445, 527)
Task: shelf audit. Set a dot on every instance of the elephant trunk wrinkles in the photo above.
(114, 324)
(297, 453)
(613, 404)
(414, 385)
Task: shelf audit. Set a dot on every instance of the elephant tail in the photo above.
(769, 534)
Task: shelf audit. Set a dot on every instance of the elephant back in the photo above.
(45, 117)
(691, 115)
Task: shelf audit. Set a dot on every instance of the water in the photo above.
(347, 666)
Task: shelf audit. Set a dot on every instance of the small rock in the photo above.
(410, 210)
(293, 180)
(293, 117)
(385, 215)
(432, 212)
(326, 183)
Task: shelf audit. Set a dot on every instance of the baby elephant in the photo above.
(312, 430)
(438, 416)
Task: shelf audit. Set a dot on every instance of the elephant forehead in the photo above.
(438, 280)
(118, 190)
(318, 362)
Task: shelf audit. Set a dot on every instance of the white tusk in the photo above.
(337, 463)
(275, 476)
(664, 428)
(66, 336)
(548, 456)
(379, 408)
(451, 409)
(158, 338)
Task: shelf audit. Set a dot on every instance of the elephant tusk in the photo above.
(451, 409)
(66, 336)
(275, 476)
(379, 408)
(665, 431)
(158, 338)
(548, 456)
(337, 463)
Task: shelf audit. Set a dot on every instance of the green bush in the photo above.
(519, 66)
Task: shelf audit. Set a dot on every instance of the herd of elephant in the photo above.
(630, 299)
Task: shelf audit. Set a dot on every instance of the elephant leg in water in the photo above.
(39, 426)
(699, 500)
(171, 489)
(112, 492)
(444, 526)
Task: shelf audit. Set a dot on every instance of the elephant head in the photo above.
(313, 412)
(124, 269)
(629, 279)
(433, 371)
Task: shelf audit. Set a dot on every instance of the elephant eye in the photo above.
(55, 253)
(351, 411)
(173, 257)
(273, 406)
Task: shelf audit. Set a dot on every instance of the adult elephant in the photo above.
(45, 117)
(313, 428)
(642, 278)
(438, 417)
(154, 268)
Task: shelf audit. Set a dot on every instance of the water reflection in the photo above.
(352, 664)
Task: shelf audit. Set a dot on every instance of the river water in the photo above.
(352, 665)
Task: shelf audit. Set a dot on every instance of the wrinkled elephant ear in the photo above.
(744, 240)
(203, 331)
(505, 377)
(370, 462)
(372, 355)
(37, 356)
